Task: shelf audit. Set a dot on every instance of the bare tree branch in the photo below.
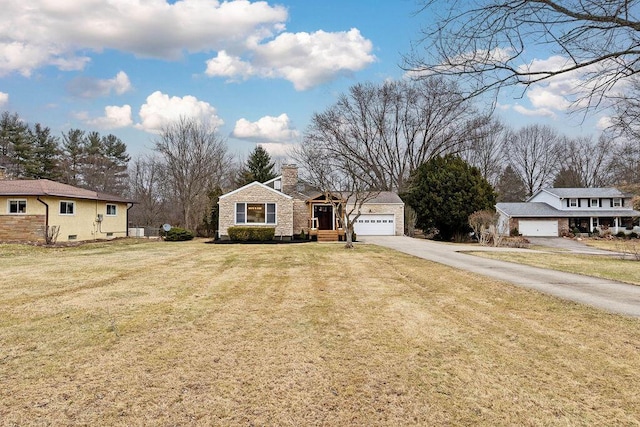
(484, 43)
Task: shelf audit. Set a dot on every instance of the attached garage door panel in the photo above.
(538, 228)
(375, 225)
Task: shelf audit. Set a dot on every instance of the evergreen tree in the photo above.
(510, 187)
(46, 153)
(259, 167)
(15, 146)
(73, 152)
(568, 178)
(444, 191)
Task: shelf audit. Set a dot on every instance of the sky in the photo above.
(257, 70)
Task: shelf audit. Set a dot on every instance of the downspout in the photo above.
(129, 206)
(46, 215)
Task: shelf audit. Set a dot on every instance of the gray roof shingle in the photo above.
(543, 210)
(45, 187)
(586, 193)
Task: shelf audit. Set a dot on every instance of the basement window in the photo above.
(72, 237)
(17, 207)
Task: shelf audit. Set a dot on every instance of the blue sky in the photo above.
(257, 70)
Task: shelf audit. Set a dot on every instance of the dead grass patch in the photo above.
(605, 267)
(193, 334)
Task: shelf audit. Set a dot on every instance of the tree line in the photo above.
(83, 159)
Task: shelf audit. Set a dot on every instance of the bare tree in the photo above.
(586, 162)
(345, 184)
(196, 160)
(626, 120)
(390, 129)
(485, 42)
(625, 163)
(486, 151)
(533, 153)
(147, 186)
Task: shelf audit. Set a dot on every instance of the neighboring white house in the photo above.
(551, 210)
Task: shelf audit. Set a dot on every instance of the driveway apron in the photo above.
(609, 295)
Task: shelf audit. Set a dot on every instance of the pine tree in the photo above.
(510, 187)
(73, 152)
(258, 167)
(46, 153)
(15, 146)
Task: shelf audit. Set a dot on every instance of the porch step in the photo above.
(327, 235)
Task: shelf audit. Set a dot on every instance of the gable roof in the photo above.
(543, 210)
(46, 187)
(386, 197)
(254, 183)
(583, 193)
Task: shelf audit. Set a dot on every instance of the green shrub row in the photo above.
(251, 234)
(177, 234)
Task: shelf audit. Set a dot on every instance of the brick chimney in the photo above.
(289, 179)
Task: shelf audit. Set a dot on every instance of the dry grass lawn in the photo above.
(153, 333)
(606, 267)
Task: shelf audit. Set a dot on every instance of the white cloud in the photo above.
(266, 129)
(4, 99)
(160, 110)
(551, 96)
(36, 33)
(304, 59)
(276, 149)
(114, 117)
(604, 122)
(539, 112)
(225, 65)
(91, 88)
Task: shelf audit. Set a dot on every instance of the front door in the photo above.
(324, 215)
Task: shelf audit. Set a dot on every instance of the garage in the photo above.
(375, 225)
(538, 228)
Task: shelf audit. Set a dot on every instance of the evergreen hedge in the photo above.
(251, 234)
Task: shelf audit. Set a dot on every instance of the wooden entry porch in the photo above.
(327, 235)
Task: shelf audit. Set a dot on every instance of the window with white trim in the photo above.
(111, 210)
(573, 203)
(617, 203)
(595, 203)
(255, 213)
(17, 207)
(67, 208)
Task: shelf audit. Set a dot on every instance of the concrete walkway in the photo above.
(609, 295)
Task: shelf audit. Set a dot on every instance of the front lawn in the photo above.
(158, 333)
(603, 266)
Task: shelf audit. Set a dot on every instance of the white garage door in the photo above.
(539, 228)
(375, 225)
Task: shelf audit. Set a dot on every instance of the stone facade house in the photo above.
(292, 207)
(29, 207)
(552, 211)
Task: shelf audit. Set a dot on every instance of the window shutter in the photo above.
(578, 202)
(567, 202)
(610, 203)
(622, 202)
(599, 203)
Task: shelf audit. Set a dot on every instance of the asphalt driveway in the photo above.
(609, 295)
